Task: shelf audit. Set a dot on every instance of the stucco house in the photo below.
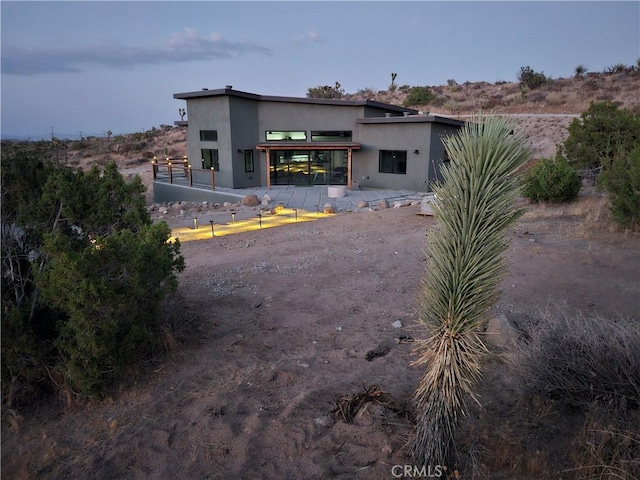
(237, 139)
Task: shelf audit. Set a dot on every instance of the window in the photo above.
(299, 136)
(210, 159)
(331, 136)
(248, 161)
(393, 161)
(208, 135)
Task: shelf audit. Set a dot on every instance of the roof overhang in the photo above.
(412, 119)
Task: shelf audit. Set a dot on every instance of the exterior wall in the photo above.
(167, 192)
(393, 136)
(279, 116)
(211, 113)
(245, 135)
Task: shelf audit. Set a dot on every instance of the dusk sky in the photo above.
(96, 66)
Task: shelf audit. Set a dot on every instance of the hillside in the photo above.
(543, 113)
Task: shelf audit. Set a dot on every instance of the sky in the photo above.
(69, 67)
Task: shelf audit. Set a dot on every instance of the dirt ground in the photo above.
(279, 324)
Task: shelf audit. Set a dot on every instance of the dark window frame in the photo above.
(286, 134)
(249, 165)
(331, 135)
(214, 161)
(208, 135)
(393, 161)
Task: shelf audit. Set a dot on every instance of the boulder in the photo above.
(383, 203)
(328, 208)
(250, 200)
(500, 331)
(362, 204)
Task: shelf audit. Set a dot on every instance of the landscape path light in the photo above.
(213, 234)
(195, 223)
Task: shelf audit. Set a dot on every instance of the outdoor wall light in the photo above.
(240, 150)
(416, 151)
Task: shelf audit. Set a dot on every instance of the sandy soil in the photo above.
(276, 325)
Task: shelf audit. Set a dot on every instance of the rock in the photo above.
(362, 204)
(205, 204)
(328, 208)
(387, 450)
(226, 204)
(303, 365)
(500, 331)
(339, 329)
(250, 200)
(277, 209)
(163, 210)
(425, 205)
(266, 198)
(176, 206)
(325, 421)
(397, 324)
(383, 203)
(401, 203)
(265, 204)
(182, 212)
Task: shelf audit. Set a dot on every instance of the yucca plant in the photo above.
(475, 205)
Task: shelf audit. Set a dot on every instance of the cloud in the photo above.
(308, 38)
(187, 46)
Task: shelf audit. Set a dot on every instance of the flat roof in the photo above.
(269, 98)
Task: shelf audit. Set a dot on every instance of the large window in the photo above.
(293, 136)
(210, 159)
(393, 161)
(208, 135)
(331, 136)
(248, 161)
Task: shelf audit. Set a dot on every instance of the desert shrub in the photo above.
(555, 98)
(580, 71)
(530, 79)
(326, 91)
(622, 182)
(577, 359)
(601, 131)
(608, 446)
(551, 180)
(419, 96)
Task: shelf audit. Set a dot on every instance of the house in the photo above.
(244, 140)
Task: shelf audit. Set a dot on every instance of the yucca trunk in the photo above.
(475, 205)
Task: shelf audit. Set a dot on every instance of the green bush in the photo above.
(326, 91)
(419, 96)
(551, 180)
(86, 272)
(599, 134)
(530, 79)
(622, 181)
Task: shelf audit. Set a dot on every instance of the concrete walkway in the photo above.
(312, 198)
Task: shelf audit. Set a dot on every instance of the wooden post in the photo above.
(268, 154)
(349, 168)
(213, 178)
